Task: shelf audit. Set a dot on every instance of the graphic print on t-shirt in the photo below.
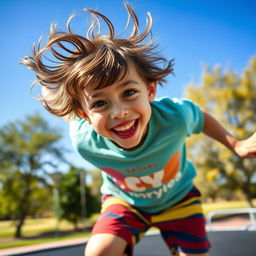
(163, 179)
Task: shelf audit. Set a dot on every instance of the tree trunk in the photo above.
(249, 200)
(248, 194)
(24, 208)
(18, 233)
(76, 228)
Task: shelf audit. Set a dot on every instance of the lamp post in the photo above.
(82, 195)
(56, 176)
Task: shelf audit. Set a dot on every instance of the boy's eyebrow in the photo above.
(127, 82)
(122, 84)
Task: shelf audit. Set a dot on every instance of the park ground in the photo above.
(44, 230)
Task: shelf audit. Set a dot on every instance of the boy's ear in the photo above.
(82, 114)
(152, 91)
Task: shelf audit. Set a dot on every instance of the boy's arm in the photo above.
(243, 148)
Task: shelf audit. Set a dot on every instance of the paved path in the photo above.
(43, 247)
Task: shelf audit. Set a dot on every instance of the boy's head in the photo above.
(69, 63)
(120, 111)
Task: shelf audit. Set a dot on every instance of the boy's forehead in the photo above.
(128, 75)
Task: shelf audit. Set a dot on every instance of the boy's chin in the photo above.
(127, 147)
(131, 146)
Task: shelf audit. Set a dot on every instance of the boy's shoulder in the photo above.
(180, 111)
(173, 100)
(172, 104)
(78, 125)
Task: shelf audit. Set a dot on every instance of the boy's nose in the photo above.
(119, 111)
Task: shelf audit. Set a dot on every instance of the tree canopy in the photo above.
(28, 148)
(73, 190)
(230, 98)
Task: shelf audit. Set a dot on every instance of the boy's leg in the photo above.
(189, 254)
(105, 244)
(183, 226)
(118, 228)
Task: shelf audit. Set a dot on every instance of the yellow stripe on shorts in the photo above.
(182, 210)
(114, 200)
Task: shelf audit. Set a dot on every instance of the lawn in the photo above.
(23, 242)
(207, 207)
(33, 227)
(44, 230)
(40, 231)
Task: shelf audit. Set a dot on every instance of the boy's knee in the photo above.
(105, 244)
(95, 251)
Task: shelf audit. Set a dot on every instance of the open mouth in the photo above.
(126, 130)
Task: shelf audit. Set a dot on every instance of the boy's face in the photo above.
(121, 111)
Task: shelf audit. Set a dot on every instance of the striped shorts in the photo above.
(182, 226)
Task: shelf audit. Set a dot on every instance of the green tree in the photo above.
(231, 99)
(14, 186)
(70, 197)
(28, 149)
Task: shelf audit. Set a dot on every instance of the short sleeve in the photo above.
(78, 131)
(192, 115)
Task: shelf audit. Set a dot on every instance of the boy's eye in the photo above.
(129, 92)
(98, 104)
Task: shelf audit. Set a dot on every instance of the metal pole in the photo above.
(252, 217)
(56, 178)
(56, 208)
(82, 195)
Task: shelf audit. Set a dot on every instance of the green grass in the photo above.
(40, 241)
(37, 226)
(33, 227)
(34, 232)
(207, 207)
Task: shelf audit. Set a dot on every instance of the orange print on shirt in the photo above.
(171, 168)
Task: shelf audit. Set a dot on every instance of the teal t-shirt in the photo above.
(157, 174)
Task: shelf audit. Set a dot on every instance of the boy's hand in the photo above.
(246, 148)
(243, 148)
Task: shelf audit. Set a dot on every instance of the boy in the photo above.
(105, 86)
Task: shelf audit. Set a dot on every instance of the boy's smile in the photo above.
(121, 111)
(126, 129)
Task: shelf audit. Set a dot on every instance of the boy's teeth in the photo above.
(124, 128)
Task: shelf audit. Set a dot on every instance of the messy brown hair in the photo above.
(69, 62)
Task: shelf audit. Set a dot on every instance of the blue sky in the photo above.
(195, 33)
